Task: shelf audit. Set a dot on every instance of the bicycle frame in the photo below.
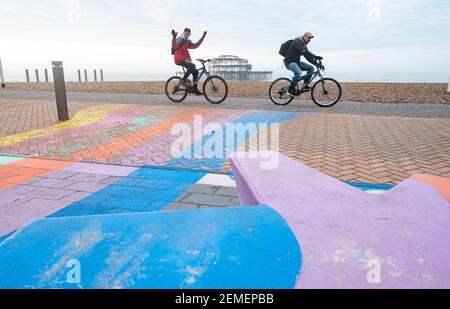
(313, 76)
(202, 71)
(185, 86)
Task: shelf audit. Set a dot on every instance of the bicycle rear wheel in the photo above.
(215, 89)
(278, 91)
(176, 90)
(326, 92)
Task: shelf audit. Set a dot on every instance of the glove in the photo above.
(174, 34)
(319, 57)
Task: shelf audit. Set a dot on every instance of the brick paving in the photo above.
(369, 149)
(359, 148)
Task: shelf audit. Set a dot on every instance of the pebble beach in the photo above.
(427, 93)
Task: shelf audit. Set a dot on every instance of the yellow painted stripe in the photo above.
(82, 118)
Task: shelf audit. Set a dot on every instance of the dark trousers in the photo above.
(190, 69)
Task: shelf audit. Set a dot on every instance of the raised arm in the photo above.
(174, 39)
(196, 45)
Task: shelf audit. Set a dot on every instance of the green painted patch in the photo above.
(8, 159)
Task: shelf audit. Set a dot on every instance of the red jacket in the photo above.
(182, 53)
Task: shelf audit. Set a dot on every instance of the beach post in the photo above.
(95, 75)
(448, 86)
(2, 76)
(27, 74)
(37, 75)
(46, 75)
(101, 75)
(60, 91)
(79, 76)
(85, 76)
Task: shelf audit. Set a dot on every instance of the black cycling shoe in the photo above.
(196, 91)
(186, 83)
(293, 92)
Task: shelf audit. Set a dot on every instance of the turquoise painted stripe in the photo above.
(370, 186)
(8, 159)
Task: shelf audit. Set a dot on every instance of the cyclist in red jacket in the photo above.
(181, 45)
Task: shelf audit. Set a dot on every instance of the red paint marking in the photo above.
(439, 183)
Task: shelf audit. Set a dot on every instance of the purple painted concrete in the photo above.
(88, 177)
(86, 186)
(51, 183)
(341, 229)
(43, 196)
(20, 215)
(103, 169)
(60, 174)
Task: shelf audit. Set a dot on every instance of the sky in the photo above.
(132, 38)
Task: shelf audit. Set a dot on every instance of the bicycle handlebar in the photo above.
(319, 65)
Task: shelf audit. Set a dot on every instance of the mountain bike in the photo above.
(215, 88)
(326, 92)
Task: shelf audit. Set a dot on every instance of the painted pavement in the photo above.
(107, 192)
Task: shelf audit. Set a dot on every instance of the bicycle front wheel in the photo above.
(176, 90)
(278, 92)
(215, 89)
(326, 92)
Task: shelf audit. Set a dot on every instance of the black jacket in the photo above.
(296, 50)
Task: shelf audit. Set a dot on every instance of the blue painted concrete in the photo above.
(369, 186)
(245, 247)
(4, 237)
(147, 189)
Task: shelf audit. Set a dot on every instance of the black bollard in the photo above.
(2, 77)
(60, 91)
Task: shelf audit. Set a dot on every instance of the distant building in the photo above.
(232, 67)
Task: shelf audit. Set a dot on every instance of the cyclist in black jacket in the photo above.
(292, 61)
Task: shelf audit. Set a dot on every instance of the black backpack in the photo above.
(285, 47)
(173, 50)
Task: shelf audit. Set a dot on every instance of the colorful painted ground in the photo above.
(356, 148)
(126, 228)
(110, 204)
(351, 239)
(102, 193)
(117, 134)
(110, 218)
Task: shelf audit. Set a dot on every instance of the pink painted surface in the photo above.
(342, 230)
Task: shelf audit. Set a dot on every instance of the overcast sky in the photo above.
(373, 36)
